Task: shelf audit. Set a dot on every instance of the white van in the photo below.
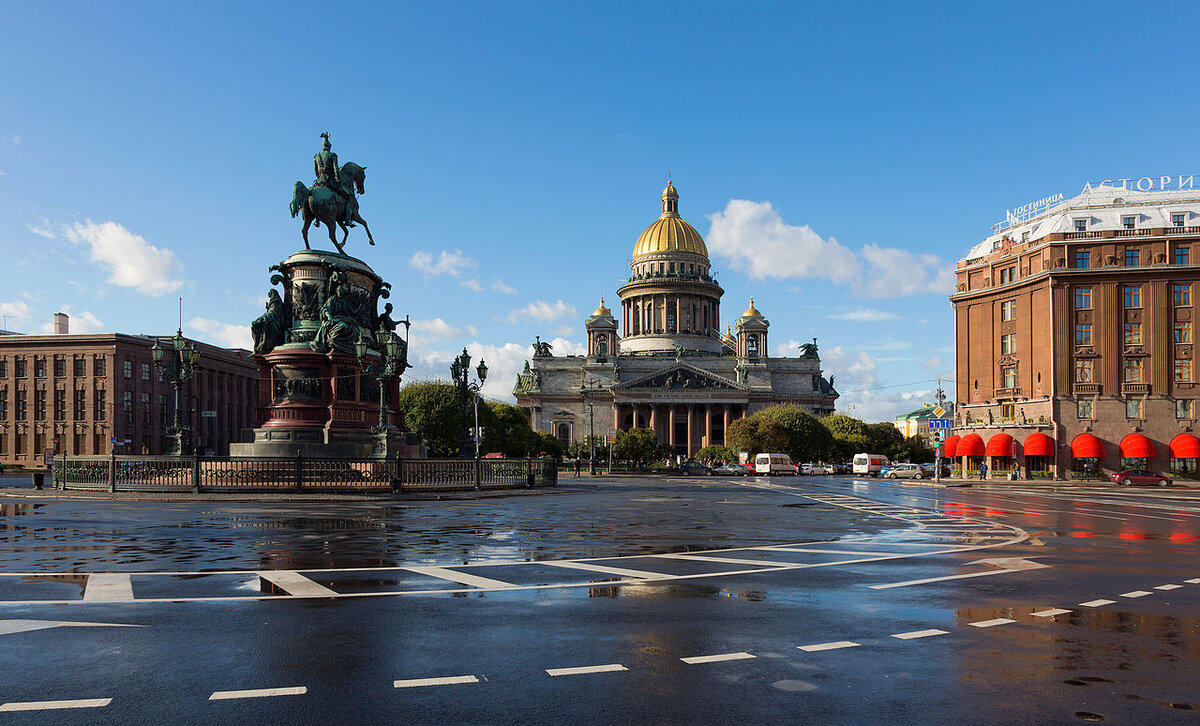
(773, 465)
(869, 464)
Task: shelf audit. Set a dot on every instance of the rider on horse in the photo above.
(325, 166)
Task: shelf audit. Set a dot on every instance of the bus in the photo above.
(773, 465)
(869, 464)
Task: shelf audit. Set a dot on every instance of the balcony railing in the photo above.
(1134, 232)
(1087, 388)
(1006, 392)
(1135, 388)
(1181, 230)
(1082, 235)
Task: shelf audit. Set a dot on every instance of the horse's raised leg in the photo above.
(307, 221)
(363, 222)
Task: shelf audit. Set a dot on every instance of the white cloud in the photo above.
(18, 310)
(131, 261)
(85, 322)
(222, 334)
(542, 312)
(865, 315)
(41, 231)
(449, 263)
(933, 363)
(499, 286)
(472, 284)
(757, 241)
(435, 330)
(504, 362)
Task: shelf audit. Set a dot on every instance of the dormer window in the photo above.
(1177, 219)
(1129, 222)
(1025, 236)
(1081, 225)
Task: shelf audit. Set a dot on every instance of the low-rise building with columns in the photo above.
(673, 370)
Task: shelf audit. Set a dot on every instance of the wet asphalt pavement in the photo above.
(823, 600)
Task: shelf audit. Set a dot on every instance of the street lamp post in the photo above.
(460, 370)
(592, 438)
(177, 365)
(391, 364)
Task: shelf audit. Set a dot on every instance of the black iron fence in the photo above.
(297, 474)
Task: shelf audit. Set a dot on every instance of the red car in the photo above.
(1141, 477)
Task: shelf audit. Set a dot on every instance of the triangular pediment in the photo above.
(681, 377)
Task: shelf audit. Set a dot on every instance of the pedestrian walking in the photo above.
(983, 471)
(578, 468)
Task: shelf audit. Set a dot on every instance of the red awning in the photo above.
(1039, 444)
(1136, 446)
(1086, 446)
(969, 445)
(1185, 446)
(1000, 445)
(949, 446)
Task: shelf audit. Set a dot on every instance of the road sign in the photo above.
(939, 423)
(208, 414)
(112, 440)
(939, 412)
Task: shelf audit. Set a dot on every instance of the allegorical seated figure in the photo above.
(269, 328)
(339, 319)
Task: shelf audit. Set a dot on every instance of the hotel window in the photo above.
(1181, 256)
(1008, 343)
(1010, 377)
(20, 367)
(1131, 258)
(1183, 408)
(1129, 222)
(80, 367)
(1183, 295)
(1025, 236)
(1183, 370)
(80, 404)
(99, 367)
(1083, 409)
(1081, 225)
(1133, 296)
(60, 367)
(127, 405)
(1008, 411)
(1083, 371)
(39, 367)
(1183, 332)
(1008, 309)
(1083, 298)
(129, 369)
(100, 413)
(1133, 408)
(1133, 333)
(1177, 219)
(1007, 275)
(39, 405)
(1133, 370)
(1083, 334)
(1081, 259)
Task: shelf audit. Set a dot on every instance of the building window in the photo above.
(1081, 225)
(39, 405)
(1010, 377)
(1008, 412)
(145, 371)
(1133, 333)
(1083, 334)
(1183, 408)
(60, 404)
(129, 369)
(671, 317)
(127, 405)
(22, 402)
(602, 346)
(3, 403)
(1177, 219)
(1083, 298)
(1007, 275)
(1133, 408)
(1131, 258)
(1083, 371)
(80, 367)
(752, 346)
(20, 367)
(101, 405)
(80, 405)
(1183, 294)
(1008, 310)
(147, 414)
(1129, 222)
(1133, 296)
(3, 369)
(1181, 256)
(39, 367)
(1183, 332)
(1025, 236)
(1183, 370)
(1081, 259)
(1083, 409)
(60, 367)
(1133, 370)
(1008, 343)
(164, 413)
(99, 368)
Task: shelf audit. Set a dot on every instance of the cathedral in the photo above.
(665, 364)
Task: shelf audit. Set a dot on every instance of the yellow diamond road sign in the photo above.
(939, 412)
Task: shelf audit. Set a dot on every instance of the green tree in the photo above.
(716, 452)
(639, 446)
(756, 435)
(850, 435)
(807, 439)
(546, 443)
(433, 411)
(506, 430)
(884, 438)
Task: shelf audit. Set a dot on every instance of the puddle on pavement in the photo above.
(43, 587)
(191, 586)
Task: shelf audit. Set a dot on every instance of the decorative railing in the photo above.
(1086, 388)
(1006, 392)
(297, 474)
(1181, 230)
(1135, 388)
(1082, 235)
(1146, 232)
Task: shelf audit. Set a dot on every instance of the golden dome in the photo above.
(602, 310)
(670, 233)
(752, 312)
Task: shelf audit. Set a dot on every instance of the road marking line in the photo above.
(828, 552)
(50, 705)
(1193, 581)
(639, 574)
(948, 577)
(1167, 587)
(1050, 613)
(461, 578)
(293, 583)
(1096, 603)
(920, 634)
(583, 670)
(115, 587)
(716, 658)
(991, 623)
(446, 681)
(258, 693)
(1136, 593)
(816, 647)
(720, 560)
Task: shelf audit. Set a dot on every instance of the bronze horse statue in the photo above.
(321, 204)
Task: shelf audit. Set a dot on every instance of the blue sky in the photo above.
(839, 158)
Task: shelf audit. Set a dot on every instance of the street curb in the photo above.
(283, 497)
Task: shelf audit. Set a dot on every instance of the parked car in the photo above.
(1141, 477)
(732, 470)
(773, 464)
(693, 468)
(842, 468)
(813, 469)
(869, 464)
(905, 471)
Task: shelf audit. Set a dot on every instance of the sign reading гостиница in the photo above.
(1164, 183)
